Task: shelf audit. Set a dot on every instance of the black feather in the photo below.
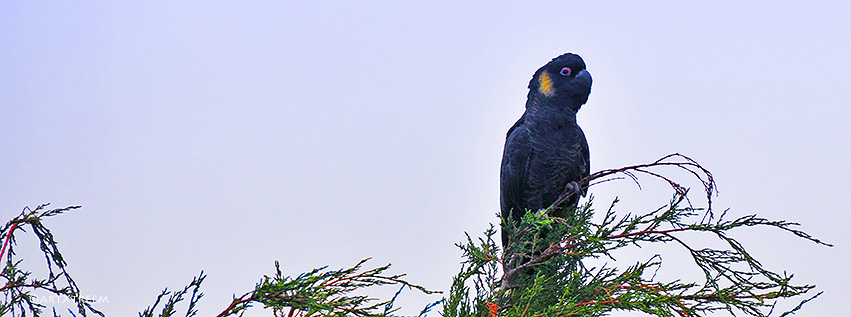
(546, 149)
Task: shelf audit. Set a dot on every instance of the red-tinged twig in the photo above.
(10, 286)
(6, 242)
(233, 304)
(9, 234)
(553, 250)
(608, 301)
(676, 160)
(647, 231)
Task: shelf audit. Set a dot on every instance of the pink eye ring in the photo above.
(565, 71)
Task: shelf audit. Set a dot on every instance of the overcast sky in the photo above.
(222, 137)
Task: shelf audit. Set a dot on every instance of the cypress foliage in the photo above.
(544, 272)
(551, 279)
(22, 291)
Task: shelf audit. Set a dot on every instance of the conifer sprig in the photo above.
(544, 272)
(22, 289)
(322, 292)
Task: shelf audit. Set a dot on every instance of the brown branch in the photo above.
(594, 302)
(645, 231)
(235, 302)
(12, 229)
(32, 285)
(41, 286)
(553, 250)
(6, 242)
(671, 160)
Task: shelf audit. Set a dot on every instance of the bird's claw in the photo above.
(572, 188)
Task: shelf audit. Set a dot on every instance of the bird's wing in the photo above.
(586, 170)
(515, 160)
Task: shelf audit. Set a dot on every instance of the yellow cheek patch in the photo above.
(545, 84)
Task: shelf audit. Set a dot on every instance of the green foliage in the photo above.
(321, 292)
(544, 273)
(169, 308)
(22, 290)
(480, 267)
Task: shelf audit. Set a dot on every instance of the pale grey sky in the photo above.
(224, 136)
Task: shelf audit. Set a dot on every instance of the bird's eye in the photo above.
(565, 71)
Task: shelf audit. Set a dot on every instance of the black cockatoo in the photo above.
(545, 151)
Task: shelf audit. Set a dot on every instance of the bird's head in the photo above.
(562, 82)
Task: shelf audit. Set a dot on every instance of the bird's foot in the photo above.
(571, 189)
